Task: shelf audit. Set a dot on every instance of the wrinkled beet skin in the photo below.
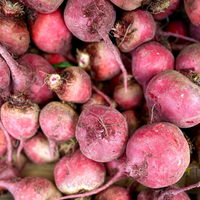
(75, 173)
(99, 143)
(83, 19)
(42, 6)
(150, 150)
(172, 97)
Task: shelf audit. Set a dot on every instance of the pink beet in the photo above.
(148, 60)
(50, 33)
(114, 192)
(102, 133)
(98, 60)
(58, 122)
(188, 58)
(20, 117)
(148, 163)
(72, 84)
(132, 99)
(14, 32)
(75, 173)
(37, 149)
(33, 188)
(28, 74)
(133, 29)
(172, 97)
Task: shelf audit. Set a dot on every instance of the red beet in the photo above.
(28, 74)
(72, 84)
(98, 60)
(50, 33)
(14, 32)
(133, 29)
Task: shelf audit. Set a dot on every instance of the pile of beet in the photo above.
(106, 90)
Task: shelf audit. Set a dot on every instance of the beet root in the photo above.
(150, 150)
(102, 133)
(36, 188)
(76, 173)
(72, 84)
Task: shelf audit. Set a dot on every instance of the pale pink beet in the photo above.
(50, 33)
(172, 97)
(72, 84)
(102, 133)
(75, 173)
(148, 60)
(37, 149)
(58, 122)
(35, 188)
(14, 32)
(188, 58)
(98, 60)
(42, 6)
(133, 29)
(150, 150)
(192, 8)
(20, 117)
(114, 192)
